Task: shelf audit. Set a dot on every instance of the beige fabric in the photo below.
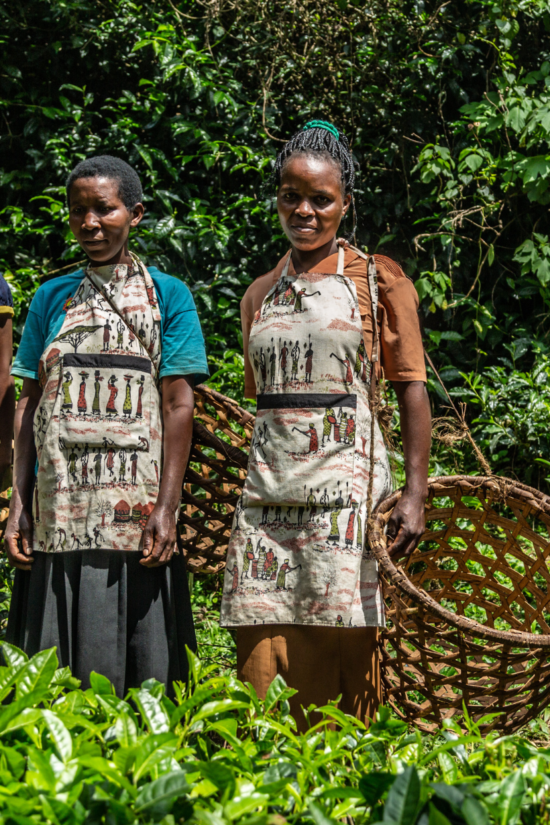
(319, 662)
(297, 553)
(402, 354)
(98, 426)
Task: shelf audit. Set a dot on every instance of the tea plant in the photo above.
(216, 754)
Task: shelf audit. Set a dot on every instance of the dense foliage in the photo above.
(448, 109)
(214, 754)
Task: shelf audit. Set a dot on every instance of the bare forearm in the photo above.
(407, 522)
(178, 404)
(7, 412)
(7, 392)
(415, 414)
(18, 535)
(25, 450)
(160, 536)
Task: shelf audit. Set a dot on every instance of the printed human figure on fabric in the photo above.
(297, 551)
(101, 471)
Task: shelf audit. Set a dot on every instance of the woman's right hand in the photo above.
(18, 538)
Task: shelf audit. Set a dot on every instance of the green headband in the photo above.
(322, 124)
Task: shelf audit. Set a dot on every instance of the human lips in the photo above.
(94, 241)
(302, 230)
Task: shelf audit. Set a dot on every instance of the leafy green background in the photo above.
(448, 110)
(447, 106)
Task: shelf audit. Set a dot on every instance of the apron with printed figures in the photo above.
(98, 426)
(297, 552)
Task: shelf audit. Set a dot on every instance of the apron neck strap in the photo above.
(284, 273)
(341, 256)
(373, 289)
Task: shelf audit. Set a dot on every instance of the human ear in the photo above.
(137, 214)
(346, 203)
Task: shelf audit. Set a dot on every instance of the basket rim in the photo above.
(398, 577)
(242, 416)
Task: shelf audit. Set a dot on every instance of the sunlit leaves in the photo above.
(534, 256)
(434, 161)
(226, 758)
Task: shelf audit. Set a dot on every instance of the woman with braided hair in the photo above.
(320, 631)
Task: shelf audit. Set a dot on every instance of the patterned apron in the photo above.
(297, 551)
(98, 426)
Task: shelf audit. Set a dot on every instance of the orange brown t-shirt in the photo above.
(401, 350)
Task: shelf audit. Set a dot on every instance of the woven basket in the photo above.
(469, 613)
(214, 479)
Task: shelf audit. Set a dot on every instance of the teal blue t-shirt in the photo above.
(182, 343)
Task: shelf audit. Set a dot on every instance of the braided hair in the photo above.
(320, 138)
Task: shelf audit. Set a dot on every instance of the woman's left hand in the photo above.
(406, 525)
(159, 537)
(408, 520)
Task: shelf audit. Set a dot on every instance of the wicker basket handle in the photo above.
(398, 577)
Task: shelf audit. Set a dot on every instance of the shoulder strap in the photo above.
(373, 289)
(341, 256)
(284, 273)
(124, 321)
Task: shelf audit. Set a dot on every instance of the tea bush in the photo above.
(216, 754)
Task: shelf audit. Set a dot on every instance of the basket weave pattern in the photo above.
(469, 615)
(215, 476)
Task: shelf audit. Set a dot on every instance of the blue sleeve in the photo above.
(32, 342)
(6, 299)
(183, 349)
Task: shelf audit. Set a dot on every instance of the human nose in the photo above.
(304, 208)
(90, 220)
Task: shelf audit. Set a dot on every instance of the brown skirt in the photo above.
(321, 663)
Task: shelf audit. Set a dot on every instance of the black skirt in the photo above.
(106, 612)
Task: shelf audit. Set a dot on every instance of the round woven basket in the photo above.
(214, 478)
(468, 613)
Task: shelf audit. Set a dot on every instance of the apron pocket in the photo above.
(302, 451)
(105, 399)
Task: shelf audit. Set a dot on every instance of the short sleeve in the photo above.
(402, 350)
(32, 343)
(183, 350)
(6, 299)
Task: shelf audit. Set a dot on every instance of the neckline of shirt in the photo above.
(326, 266)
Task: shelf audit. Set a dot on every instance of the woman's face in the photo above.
(100, 221)
(310, 201)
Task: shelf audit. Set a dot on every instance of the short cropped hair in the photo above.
(107, 166)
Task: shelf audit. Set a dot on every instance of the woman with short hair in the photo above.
(108, 358)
